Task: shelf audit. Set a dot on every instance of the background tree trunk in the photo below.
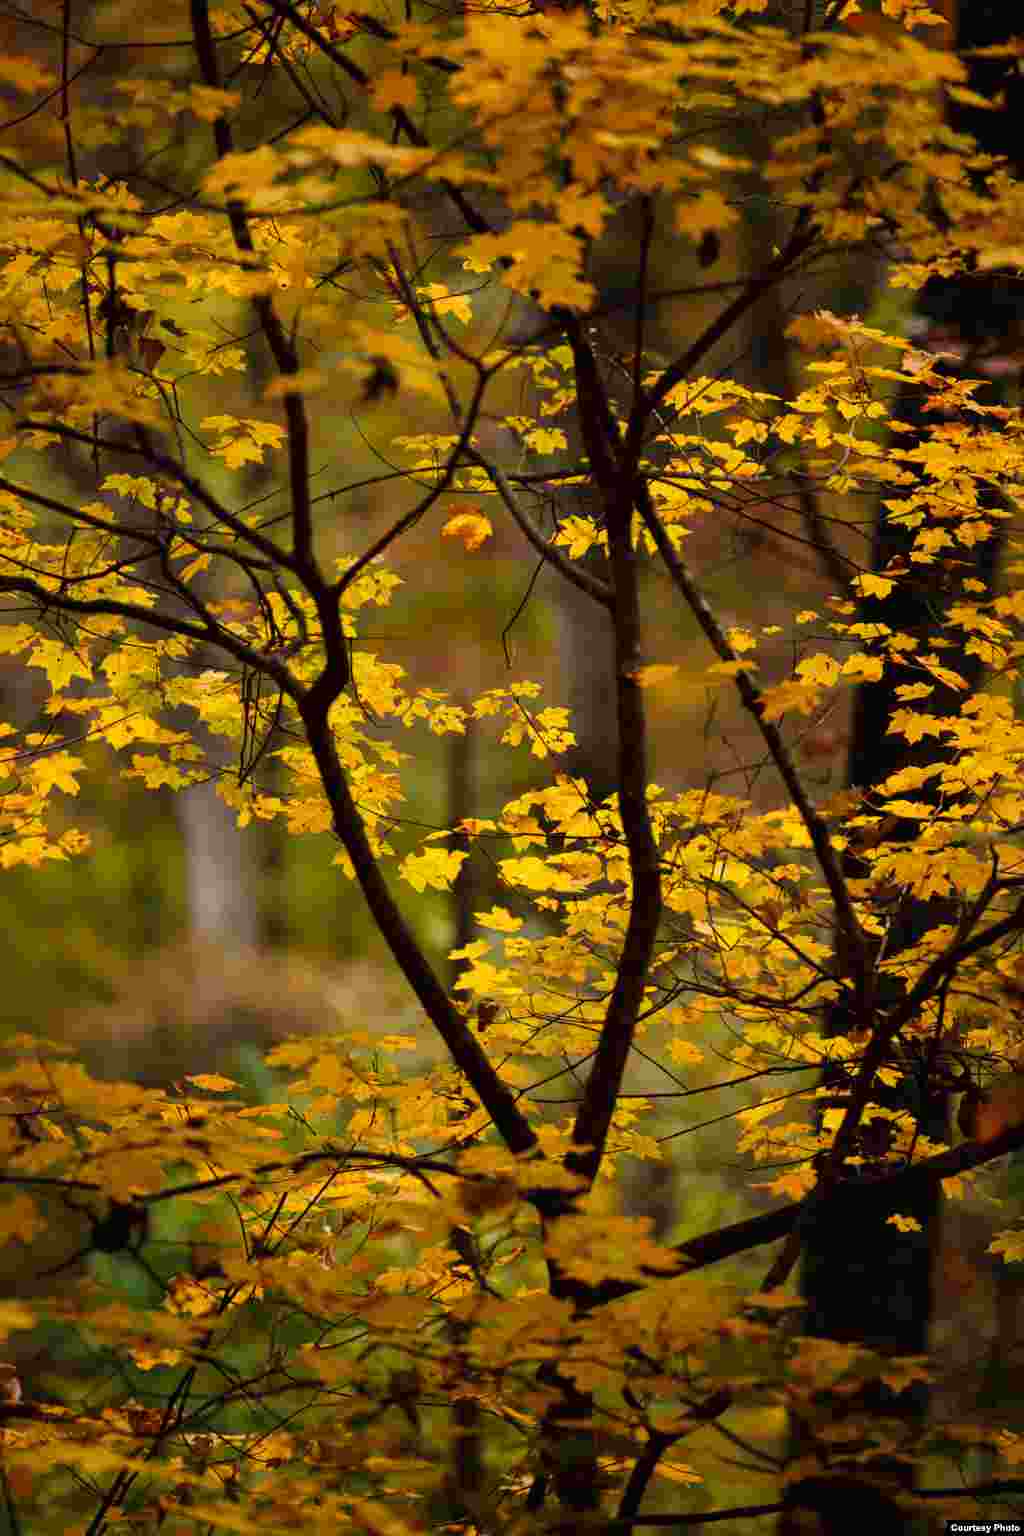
(870, 1283)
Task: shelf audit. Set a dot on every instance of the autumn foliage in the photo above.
(403, 1300)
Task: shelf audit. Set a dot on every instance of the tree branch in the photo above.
(604, 1080)
(282, 349)
(210, 633)
(175, 471)
(593, 586)
(801, 241)
(498, 1100)
(750, 695)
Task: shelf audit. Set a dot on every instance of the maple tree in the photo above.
(450, 1330)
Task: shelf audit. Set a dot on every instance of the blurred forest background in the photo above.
(181, 944)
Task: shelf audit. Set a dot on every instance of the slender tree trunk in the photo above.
(220, 873)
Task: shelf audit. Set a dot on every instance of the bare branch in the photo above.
(281, 347)
(593, 586)
(750, 694)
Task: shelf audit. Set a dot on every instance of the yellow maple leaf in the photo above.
(869, 585)
(913, 14)
(186, 1297)
(546, 440)
(396, 1311)
(442, 301)
(741, 639)
(20, 1218)
(790, 695)
(60, 662)
(914, 727)
(904, 1223)
(1010, 1244)
(149, 1357)
(533, 873)
(791, 1185)
(684, 1053)
(863, 667)
(500, 919)
(818, 669)
(211, 1082)
(944, 674)
(709, 211)
(1011, 1447)
(471, 526)
(435, 867)
(651, 676)
(56, 770)
(579, 534)
(242, 442)
(903, 1371)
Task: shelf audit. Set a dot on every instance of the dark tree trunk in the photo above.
(867, 1282)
